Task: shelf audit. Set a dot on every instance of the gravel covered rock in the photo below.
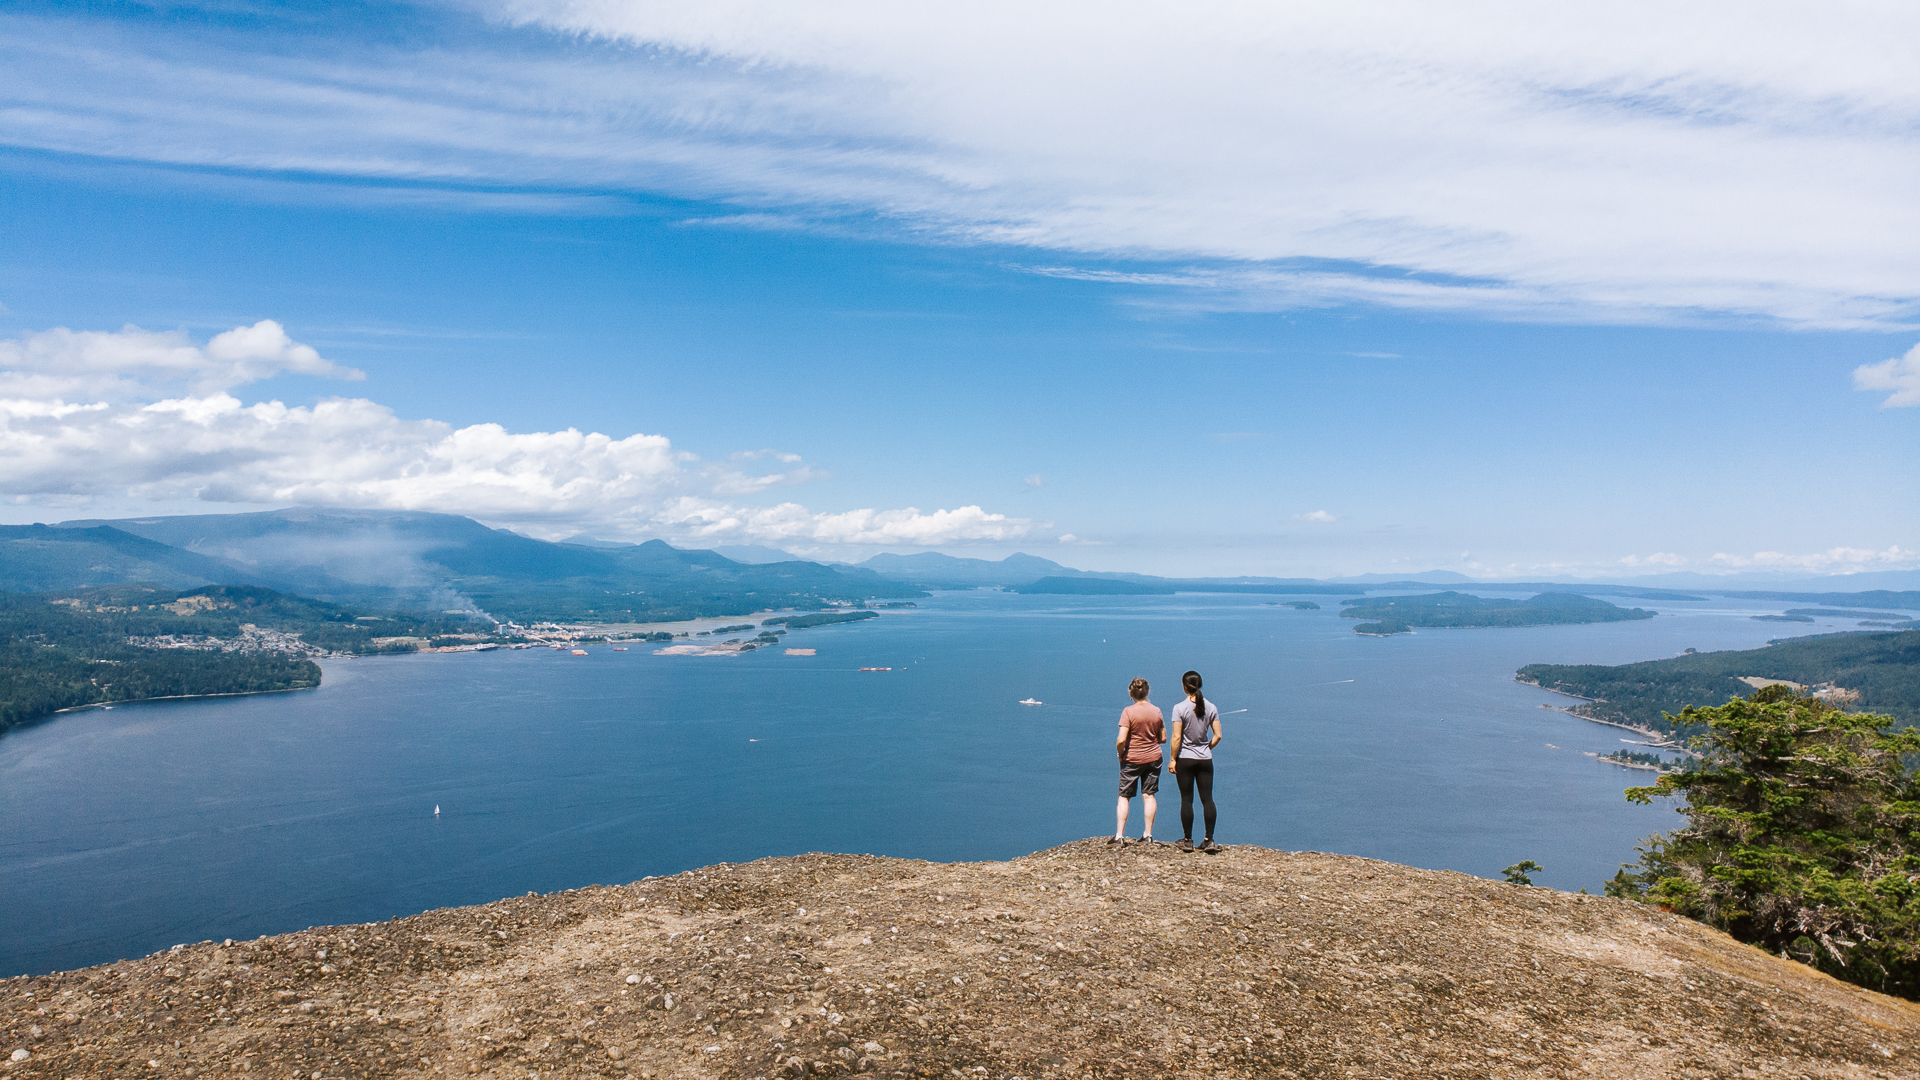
(1085, 960)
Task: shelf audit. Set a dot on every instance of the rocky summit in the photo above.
(1084, 960)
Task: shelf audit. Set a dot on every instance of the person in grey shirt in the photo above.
(1198, 722)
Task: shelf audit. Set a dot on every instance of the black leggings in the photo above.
(1195, 770)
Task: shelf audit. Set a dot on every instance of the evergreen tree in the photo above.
(1803, 836)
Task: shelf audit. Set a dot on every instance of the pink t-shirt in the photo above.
(1145, 729)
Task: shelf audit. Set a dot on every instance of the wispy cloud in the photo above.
(145, 415)
(1034, 480)
(1591, 163)
(1322, 517)
(1900, 376)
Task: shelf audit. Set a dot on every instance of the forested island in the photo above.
(1399, 614)
(825, 618)
(1875, 672)
(132, 643)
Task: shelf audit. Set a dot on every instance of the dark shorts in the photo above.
(1143, 775)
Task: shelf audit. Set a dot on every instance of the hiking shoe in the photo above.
(1209, 846)
(1186, 844)
(1147, 841)
(1115, 841)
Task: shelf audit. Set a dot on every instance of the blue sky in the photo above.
(1319, 293)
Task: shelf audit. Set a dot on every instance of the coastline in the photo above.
(182, 697)
(1664, 740)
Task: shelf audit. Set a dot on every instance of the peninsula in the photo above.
(1873, 672)
(1084, 960)
(138, 642)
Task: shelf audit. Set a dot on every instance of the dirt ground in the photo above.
(1085, 960)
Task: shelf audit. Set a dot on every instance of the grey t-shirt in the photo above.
(1196, 733)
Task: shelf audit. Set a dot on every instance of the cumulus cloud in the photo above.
(351, 452)
(1323, 516)
(1632, 161)
(1899, 375)
(132, 363)
(1833, 560)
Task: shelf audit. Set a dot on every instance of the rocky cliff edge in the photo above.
(1084, 960)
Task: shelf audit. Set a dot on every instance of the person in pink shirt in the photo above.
(1142, 730)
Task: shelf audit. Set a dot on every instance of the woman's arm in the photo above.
(1216, 731)
(1120, 744)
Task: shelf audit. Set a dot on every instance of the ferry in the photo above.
(1032, 701)
(579, 652)
(876, 669)
(619, 648)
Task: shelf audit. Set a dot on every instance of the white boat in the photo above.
(1031, 701)
(436, 809)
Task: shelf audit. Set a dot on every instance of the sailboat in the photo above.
(436, 809)
(1032, 701)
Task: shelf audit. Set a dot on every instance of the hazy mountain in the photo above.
(1431, 577)
(933, 568)
(446, 562)
(42, 558)
(756, 554)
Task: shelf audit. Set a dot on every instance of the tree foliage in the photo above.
(1803, 836)
(1520, 873)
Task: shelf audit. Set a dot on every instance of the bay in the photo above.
(128, 830)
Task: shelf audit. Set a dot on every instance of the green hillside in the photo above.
(1882, 668)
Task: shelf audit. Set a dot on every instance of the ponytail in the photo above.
(1190, 682)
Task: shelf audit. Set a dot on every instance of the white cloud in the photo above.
(1658, 558)
(352, 452)
(1034, 480)
(1833, 560)
(133, 363)
(1075, 541)
(1632, 161)
(1900, 375)
(1323, 516)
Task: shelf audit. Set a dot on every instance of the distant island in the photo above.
(1400, 614)
(1299, 605)
(825, 618)
(1135, 586)
(1875, 672)
(1092, 586)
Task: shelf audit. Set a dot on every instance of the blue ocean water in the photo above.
(128, 830)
